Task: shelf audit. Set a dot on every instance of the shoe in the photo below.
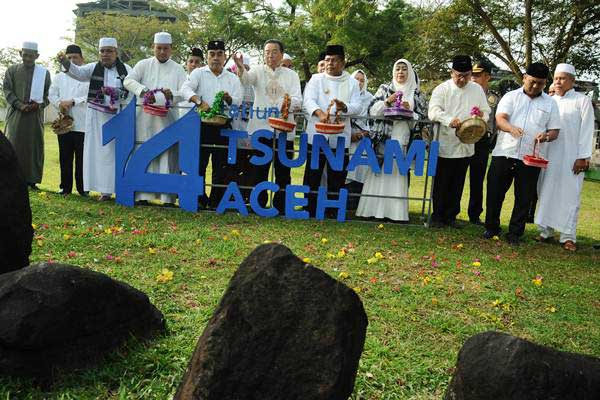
(569, 245)
(454, 224)
(104, 197)
(475, 221)
(169, 205)
(512, 239)
(63, 193)
(33, 186)
(84, 194)
(437, 224)
(142, 203)
(489, 234)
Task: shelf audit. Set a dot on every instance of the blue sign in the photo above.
(131, 164)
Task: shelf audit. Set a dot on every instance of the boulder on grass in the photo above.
(56, 316)
(16, 232)
(498, 366)
(283, 330)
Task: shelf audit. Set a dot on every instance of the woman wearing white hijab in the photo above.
(360, 128)
(393, 185)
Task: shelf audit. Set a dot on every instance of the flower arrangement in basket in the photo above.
(535, 160)
(282, 124)
(152, 109)
(397, 111)
(214, 116)
(330, 128)
(98, 103)
(473, 128)
(62, 124)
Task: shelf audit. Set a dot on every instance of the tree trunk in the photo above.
(528, 33)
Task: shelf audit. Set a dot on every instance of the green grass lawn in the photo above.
(429, 292)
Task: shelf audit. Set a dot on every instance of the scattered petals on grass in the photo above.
(426, 281)
(378, 255)
(551, 309)
(307, 260)
(235, 232)
(434, 264)
(341, 253)
(343, 275)
(357, 289)
(225, 237)
(498, 258)
(434, 301)
(71, 254)
(476, 264)
(458, 246)
(152, 250)
(324, 240)
(110, 257)
(538, 280)
(373, 280)
(372, 260)
(34, 226)
(164, 276)
(198, 241)
(380, 226)
(495, 237)
(40, 243)
(66, 236)
(330, 255)
(477, 273)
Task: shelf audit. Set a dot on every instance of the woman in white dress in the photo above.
(394, 184)
(360, 128)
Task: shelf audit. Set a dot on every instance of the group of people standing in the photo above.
(524, 119)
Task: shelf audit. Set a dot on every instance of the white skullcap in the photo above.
(107, 42)
(286, 56)
(163, 38)
(568, 68)
(30, 46)
(246, 59)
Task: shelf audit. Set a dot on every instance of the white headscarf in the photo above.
(364, 88)
(409, 86)
(365, 96)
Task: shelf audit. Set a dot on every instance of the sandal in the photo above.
(569, 245)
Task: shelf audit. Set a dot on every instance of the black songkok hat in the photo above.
(482, 66)
(73, 49)
(538, 70)
(462, 63)
(321, 56)
(217, 44)
(196, 52)
(335, 50)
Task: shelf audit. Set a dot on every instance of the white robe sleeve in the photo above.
(586, 133)
(436, 107)
(311, 97)
(191, 85)
(133, 79)
(83, 73)
(249, 77)
(354, 106)
(237, 92)
(54, 92)
(295, 93)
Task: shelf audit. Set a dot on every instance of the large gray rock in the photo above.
(498, 366)
(59, 316)
(283, 330)
(16, 232)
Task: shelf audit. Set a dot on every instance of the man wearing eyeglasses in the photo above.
(451, 103)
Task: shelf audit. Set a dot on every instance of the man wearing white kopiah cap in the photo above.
(158, 72)
(560, 184)
(106, 95)
(286, 61)
(26, 88)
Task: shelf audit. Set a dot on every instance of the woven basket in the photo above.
(62, 124)
(471, 130)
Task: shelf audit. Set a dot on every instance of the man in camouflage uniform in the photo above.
(479, 161)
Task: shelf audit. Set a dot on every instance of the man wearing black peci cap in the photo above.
(482, 73)
(69, 96)
(451, 103)
(195, 60)
(525, 116)
(201, 87)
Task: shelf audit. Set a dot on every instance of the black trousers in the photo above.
(503, 171)
(243, 172)
(477, 168)
(70, 146)
(220, 169)
(312, 178)
(449, 182)
(283, 176)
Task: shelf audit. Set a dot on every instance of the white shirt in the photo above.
(111, 77)
(150, 74)
(204, 84)
(319, 92)
(533, 115)
(447, 102)
(270, 86)
(63, 88)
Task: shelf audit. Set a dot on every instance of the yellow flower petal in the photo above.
(344, 275)
(235, 232)
(378, 255)
(324, 240)
(66, 236)
(151, 250)
(476, 264)
(380, 226)
(198, 241)
(306, 260)
(495, 237)
(34, 226)
(357, 289)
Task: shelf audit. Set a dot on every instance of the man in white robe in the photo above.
(451, 103)
(99, 160)
(561, 183)
(336, 85)
(158, 72)
(271, 82)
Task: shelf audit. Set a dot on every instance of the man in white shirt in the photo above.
(451, 103)
(106, 74)
(561, 183)
(195, 60)
(158, 72)
(524, 116)
(338, 86)
(201, 88)
(69, 96)
(271, 82)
